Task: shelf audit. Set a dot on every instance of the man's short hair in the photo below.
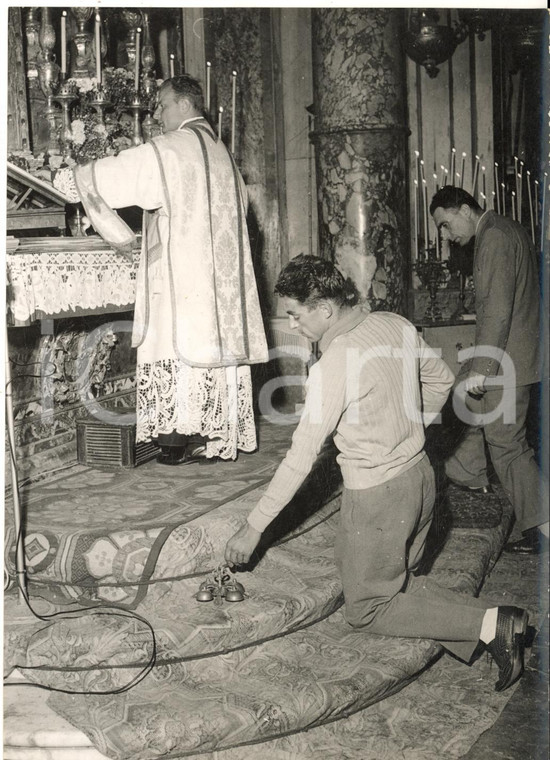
(186, 86)
(309, 279)
(450, 196)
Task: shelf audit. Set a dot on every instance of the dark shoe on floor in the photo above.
(171, 455)
(533, 542)
(475, 490)
(508, 646)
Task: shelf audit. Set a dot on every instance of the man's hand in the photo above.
(474, 385)
(241, 545)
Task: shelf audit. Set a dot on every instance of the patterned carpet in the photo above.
(226, 677)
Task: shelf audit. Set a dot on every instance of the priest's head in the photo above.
(456, 214)
(179, 98)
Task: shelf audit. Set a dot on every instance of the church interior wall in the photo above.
(271, 51)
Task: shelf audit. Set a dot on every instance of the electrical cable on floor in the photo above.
(99, 609)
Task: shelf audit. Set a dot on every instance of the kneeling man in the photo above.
(375, 388)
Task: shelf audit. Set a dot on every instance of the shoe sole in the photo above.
(518, 646)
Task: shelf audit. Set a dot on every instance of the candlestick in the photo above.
(416, 256)
(426, 233)
(171, 65)
(220, 112)
(63, 44)
(497, 185)
(452, 171)
(462, 167)
(474, 181)
(531, 213)
(233, 108)
(208, 68)
(136, 72)
(98, 49)
(503, 187)
(513, 205)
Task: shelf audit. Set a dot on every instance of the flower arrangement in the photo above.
(91, 136)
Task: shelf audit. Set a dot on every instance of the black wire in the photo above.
(65, 614)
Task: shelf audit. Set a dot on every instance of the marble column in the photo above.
(360, 138)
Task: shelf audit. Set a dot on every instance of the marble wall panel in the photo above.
(360, 133)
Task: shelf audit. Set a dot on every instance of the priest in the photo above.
(197, 324)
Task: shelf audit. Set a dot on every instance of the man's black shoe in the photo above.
(475, 490)
(508, 646)
(533, 542)
(171, 455)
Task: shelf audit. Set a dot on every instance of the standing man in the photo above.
(375, 387)
(507, 302)
(197, 322)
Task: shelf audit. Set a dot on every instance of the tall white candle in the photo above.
(531, 213)
(519, 183)
(98, 49)
(423, 178)
(220, 113)
(483, 186)
(233, 108)
(437, 247)
(208, 69)
(497, 185)
(63, 43)
(171, 65)
(462, 167)
(520, 195)
(513, 205)
(416, 220)
(443, 170)
(536, 203)
(453, 156)
(417, 166)
(495, 200)
(542, 219)
(474, 181)
(436, 186)
(503, 187)
(138, 53)
(483, 201)
(426, 232)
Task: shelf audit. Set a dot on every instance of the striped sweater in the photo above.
(375, 388)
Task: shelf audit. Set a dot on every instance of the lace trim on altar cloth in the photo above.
(51, 282)
(215, 403)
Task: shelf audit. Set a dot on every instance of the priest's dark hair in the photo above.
(450, 196)
(186, 86)
(309, 279)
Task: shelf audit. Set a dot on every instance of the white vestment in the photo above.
(197, 323)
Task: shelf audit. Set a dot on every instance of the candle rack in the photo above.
(432, 272)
